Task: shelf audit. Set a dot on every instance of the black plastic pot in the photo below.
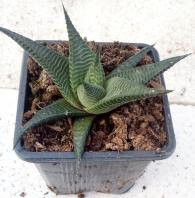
(107, 172)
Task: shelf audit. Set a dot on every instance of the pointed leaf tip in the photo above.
(80, 56)
(80, 130)
(186, 55)
(163, 91)
(65, 12)
(56, 64)
(143, 74)
(121, 91)
(131, 62)
(169, 91)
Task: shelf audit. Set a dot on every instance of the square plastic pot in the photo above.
(107, 172)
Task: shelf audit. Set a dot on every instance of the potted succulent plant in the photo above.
(87, 93)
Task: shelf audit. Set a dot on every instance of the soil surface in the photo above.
(135, 126)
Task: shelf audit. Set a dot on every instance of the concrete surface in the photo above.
(168, 23)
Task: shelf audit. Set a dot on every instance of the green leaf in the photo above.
(89, 94)
(54, 63)
(80, 57)
(120, 91)
(131, 62)
(56, 110)
(145, 73)
(95, 74)
(81, 128)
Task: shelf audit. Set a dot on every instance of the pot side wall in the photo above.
(85, 176)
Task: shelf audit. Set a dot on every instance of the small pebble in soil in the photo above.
(81, 195)
(22, 194)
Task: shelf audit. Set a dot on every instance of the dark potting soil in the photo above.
(135, 126)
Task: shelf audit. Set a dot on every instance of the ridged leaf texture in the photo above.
(80, 56)
(95, 74)
(120, 91)
(89, 94)
(131, 62)
(80, 129)
(54, 63)
(92, 90)
(143, 74)
(56, 110)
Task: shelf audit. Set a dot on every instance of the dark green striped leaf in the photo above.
(143, 74)
(56, 110)
(54, 63)
(120, 91)
(89, 94)
(81, 128)
(80, 57)
(95, 74)
(131, 62)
